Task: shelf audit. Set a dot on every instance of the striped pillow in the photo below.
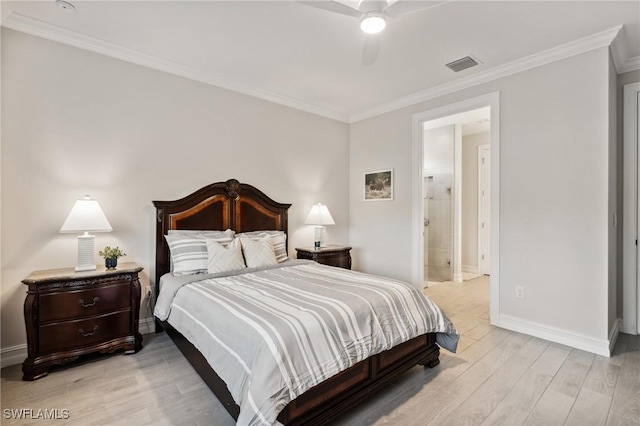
(278, 240)
(224, 259)
(189, 254)
(258, 252)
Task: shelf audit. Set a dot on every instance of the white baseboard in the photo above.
(13, 355)
(470, 269)
(613, 334)
(553, 334)
(458, 278)
(17, 354)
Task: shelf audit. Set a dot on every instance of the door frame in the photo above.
(491, 100)
(481, 181)
(630, 210)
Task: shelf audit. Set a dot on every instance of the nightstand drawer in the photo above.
(82, 303)
(332, 255)
(78, 333)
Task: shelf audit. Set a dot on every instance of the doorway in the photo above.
(457, 197)
(490, 101)
(484, 209)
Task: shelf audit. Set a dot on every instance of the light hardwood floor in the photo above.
(497, 377)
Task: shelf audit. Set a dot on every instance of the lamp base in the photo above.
(85, 253)
(317, 240)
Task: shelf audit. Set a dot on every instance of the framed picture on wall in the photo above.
(378, 185)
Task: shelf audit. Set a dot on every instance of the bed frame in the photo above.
(243, 208)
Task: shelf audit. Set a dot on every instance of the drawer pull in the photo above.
(88, 305)
(91, 333)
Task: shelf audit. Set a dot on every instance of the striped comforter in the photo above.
(274, 333)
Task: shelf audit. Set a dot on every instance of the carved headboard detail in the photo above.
(219, 206)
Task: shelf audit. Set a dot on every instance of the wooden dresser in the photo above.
(68, 314)
(332, 255)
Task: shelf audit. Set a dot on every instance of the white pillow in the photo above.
(278, 240)
(224, 259)
(258, 252)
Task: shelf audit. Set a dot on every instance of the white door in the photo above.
(484, 209)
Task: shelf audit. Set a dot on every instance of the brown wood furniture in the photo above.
(68, 314)
(241, 207)
(332, 255)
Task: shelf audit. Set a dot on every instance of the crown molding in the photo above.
(23, 23)
(620, 54)
(595, 41)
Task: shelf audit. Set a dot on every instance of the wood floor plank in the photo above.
(594, 399)
(625, 405)
(515, 408)
(552, 408)
(485, 399)
(590, 408)
(602, 376)
(573, 372)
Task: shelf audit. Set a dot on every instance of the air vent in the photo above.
(462, 64)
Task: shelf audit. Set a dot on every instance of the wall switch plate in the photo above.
(519, 292)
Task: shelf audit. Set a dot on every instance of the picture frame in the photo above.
(378, 185)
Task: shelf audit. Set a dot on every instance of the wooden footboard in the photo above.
(328, 399)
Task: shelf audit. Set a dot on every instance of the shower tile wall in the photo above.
(439, 232)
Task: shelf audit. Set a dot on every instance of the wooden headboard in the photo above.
(219, 206)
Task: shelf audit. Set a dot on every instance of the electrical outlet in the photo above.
(519, 292)
(148, 291)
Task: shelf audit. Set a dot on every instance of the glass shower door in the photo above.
(438, 204)
(440, 233)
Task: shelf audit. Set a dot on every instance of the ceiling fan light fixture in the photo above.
(373, 22)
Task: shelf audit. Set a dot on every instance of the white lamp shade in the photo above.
(86, 215)
(319, 215)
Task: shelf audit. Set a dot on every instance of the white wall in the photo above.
(554, 177)
(80, 123)
(470, 211)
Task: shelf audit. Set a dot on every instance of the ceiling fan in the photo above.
(373, 16)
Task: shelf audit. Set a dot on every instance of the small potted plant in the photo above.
(111, 256)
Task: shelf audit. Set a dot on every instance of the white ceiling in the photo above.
(310, 58)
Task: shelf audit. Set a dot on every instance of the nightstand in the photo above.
(332, 255)
(68, 314)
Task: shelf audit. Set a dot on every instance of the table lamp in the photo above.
(319, 216)
(86, 216)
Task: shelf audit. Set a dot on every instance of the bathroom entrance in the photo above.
(456, 196)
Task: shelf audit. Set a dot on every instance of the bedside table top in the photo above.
(329, 248)
(71, 274)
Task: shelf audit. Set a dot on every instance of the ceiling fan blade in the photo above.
(404, 7)
(370, 49)
(331, 6)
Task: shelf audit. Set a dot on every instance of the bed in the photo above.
(242, 208)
